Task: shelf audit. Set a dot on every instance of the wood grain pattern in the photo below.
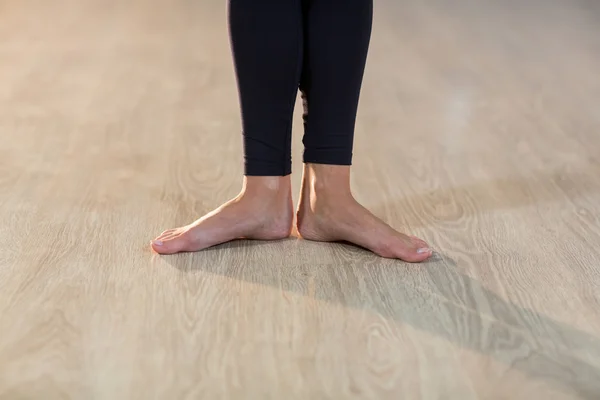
(478, 130)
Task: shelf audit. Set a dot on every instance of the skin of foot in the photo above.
(328, 212)
(263, 210)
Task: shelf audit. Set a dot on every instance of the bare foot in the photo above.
(263, 210)
(329, 213)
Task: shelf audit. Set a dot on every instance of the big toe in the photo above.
(415, 250)
(169, 244)
(414, 254)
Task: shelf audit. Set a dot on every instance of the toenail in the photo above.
(157, 242)
(424, 250)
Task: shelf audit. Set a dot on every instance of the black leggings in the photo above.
(280, 46)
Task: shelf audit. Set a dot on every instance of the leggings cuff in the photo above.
(266, 169)
(328, 156)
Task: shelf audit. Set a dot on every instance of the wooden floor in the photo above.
(479, 130)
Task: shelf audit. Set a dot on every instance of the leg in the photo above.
(337, 34)
(266, 40)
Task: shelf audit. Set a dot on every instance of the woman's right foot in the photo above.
(263, 211)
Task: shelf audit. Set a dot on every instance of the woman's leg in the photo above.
(266, 40)
(337, 34)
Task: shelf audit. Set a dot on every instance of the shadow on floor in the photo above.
(465, 313)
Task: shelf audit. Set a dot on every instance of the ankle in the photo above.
(325, 181)
(267, 186)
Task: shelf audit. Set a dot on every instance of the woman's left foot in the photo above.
(328, 212)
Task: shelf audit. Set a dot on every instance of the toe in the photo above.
(169, 244)
(409, 251)
(414, 255)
